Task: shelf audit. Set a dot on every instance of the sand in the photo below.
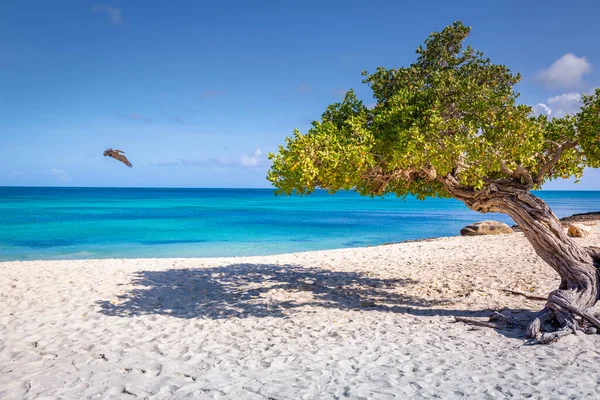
(363, 323)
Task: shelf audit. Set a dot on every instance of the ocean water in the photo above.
(84, 223)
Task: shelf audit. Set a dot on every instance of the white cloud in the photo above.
(113, 13)
(14, 175)
(542, 108)
(51, 175)
(246, 161)
(562, 104)
(566, 72)
(567, 103)
(61, 174)
(253, 160)
(190, 163)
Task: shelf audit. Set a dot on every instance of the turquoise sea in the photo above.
(83, 223)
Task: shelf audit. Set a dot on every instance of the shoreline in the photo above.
(582, 217)
(369, 322)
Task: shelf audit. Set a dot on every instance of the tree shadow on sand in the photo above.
(264, 290)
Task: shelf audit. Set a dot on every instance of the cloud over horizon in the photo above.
(253, 160)
(256, 159)
(60, 174)
(56, 175)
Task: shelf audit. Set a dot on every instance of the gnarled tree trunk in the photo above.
(570, 306)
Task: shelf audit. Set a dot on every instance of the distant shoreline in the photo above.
(581, 217)
(593, 216)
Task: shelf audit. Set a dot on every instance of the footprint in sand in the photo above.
(154, 370)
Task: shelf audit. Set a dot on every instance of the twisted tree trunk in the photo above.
(569, 308)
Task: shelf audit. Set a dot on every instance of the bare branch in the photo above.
(521, 172)
(460, 166)
(557, 153)
(430, 173)
(518, 174)
(380, 179)
(505, 169)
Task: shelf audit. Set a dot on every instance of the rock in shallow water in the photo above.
(486, 228)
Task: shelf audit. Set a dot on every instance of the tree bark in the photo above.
(568, 307)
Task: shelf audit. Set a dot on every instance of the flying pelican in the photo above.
(116, 154)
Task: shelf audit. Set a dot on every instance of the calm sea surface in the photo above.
(67, 223)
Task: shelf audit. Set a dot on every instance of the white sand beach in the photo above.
(364, 323)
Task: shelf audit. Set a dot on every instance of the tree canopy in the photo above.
(447, 123)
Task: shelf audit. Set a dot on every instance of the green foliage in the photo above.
(451, 115)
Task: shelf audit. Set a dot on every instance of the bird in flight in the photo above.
(116, 154)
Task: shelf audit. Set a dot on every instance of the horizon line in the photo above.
(227, 188)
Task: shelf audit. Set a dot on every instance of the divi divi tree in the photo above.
(449, 125)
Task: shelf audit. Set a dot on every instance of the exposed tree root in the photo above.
(559, 311)
(498, 317)
(529, 296)
(560, 304)
(595, 252)
(477, 322)
(535, 327)
(543, 329)
(495, 321)
(551, 337)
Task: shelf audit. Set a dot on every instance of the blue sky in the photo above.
(198, 92)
